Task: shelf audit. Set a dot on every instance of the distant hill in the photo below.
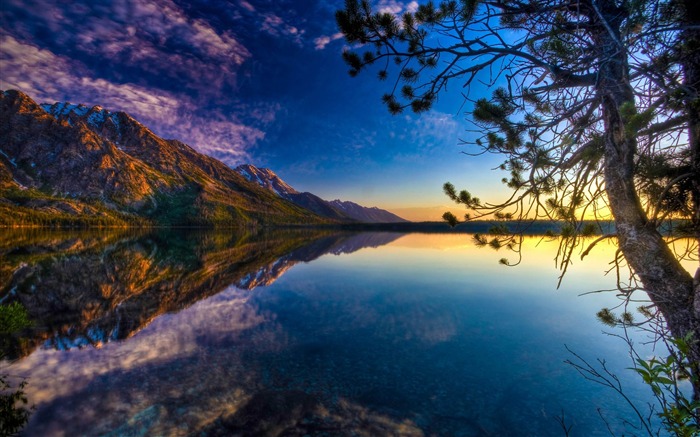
(69, 164)
(365, 214)
(269, 180)
(336, 209)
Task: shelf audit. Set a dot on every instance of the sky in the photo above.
(245, 81)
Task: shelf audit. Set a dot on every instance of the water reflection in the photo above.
(423, 335)
(85, 289)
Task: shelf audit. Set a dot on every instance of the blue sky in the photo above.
(258, 82)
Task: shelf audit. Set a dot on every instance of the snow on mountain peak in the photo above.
(95, 116)
(266, 178)
(64, 108)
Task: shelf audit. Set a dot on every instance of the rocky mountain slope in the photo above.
(66, 162)
(337, 209)
(365, 214)
(266, 178)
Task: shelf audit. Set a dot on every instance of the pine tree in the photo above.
(594, 108)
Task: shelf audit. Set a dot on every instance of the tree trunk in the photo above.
(690, 59)
(669, 285)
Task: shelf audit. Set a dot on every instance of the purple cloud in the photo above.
(396, 7)
(156, 36)
(276, 26)
(322, 41)
(247, 6)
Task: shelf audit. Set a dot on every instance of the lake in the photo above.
(309, 333)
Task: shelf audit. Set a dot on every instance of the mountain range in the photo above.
(65, 164)
(336, 209)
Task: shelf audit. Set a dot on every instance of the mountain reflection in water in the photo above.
(90, 289)
(422, 335)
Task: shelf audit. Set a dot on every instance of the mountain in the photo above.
(336, 209)
(365, 214)
(266, 178)
(67, 164)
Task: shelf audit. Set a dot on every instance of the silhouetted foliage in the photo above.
(14, 410)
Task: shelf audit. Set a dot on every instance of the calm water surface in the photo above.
(307, 334)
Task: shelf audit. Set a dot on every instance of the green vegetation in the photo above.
(34, 208)
(14, 413)
(14, 410)
(190, 206)
(13, 318)
(669, 376)
(175, 209)
(679, 414)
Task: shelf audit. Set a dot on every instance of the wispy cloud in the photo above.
(396, 7)
(428, 134)
(435, 127)
(276, 26)
(322, 41)
(216, 135)
(247, 6)
(45, 75)
(154, 36)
